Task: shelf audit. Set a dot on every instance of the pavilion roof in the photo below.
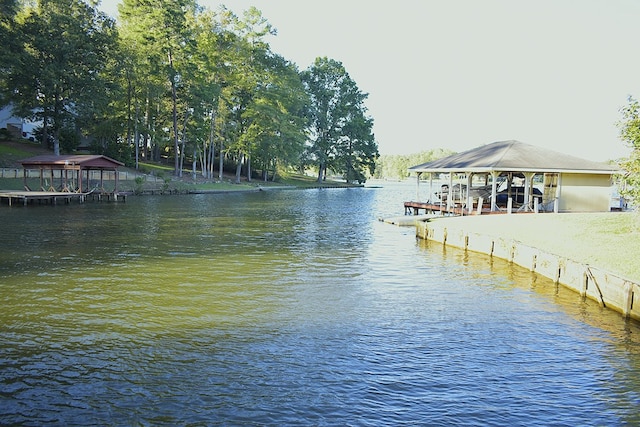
(82, 161)
(513, 156)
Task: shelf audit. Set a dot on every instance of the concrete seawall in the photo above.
(608, 289)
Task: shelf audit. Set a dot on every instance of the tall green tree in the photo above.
(60, 76)
(10, 49)
(341, 132)
(276, 116)
(630, 134)
(161, 30)
(213, 41)
(249, 76)
(357, 149)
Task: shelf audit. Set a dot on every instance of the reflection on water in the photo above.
(289, 307)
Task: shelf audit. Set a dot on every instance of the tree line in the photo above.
(175, 81)
(395, 166)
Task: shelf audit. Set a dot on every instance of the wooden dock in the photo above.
(414, 208)
(53, 197)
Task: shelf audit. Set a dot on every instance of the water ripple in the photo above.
(291, 308)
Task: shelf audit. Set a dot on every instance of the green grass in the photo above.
(11, 151)
(10, 155)
(607, 240)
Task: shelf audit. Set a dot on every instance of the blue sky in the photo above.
(462, 73)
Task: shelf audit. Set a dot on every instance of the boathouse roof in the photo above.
(513, 156)
(84, 161)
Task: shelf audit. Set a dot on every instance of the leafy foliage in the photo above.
(59, 76)
(630, 134)
(341, 133)
(176, 82)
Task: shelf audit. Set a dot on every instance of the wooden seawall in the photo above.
(610, 290)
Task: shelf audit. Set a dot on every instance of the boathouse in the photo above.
(73, 172)
(511, 174)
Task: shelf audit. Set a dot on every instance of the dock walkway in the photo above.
(414, 208)
(52, 197)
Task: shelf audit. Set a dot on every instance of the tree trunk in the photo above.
(221, 167)
(212, 146)
(147, 135)
(239, 168)
(181, 163)
(195, 154)
(56, 141)
(136, 137)
(45, 133)
(184, 142)
(212, 152)
(174, 102)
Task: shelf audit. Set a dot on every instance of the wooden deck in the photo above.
(53, 197)
(414, 208)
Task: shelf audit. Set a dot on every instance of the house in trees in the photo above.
(532, 178)
(16, 126)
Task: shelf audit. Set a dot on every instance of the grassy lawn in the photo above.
(607, 240)
(11, 152)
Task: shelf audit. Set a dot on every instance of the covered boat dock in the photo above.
(507, 176)
(74, 172)
(65, 178)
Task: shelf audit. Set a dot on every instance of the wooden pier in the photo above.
(414, 208)
(54, 197)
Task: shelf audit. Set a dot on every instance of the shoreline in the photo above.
(536, 242)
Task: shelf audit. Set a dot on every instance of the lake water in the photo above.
(289, 308)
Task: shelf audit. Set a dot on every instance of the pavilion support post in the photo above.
(117, 178)
(528, 180)
(494, 190)
(450, 193)
(418, 186)
(430, 199)
(556, 203)
(469, 198)
(24, 177)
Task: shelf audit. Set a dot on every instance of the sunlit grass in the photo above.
(11, 155)
(607, 240)
(11, 151)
